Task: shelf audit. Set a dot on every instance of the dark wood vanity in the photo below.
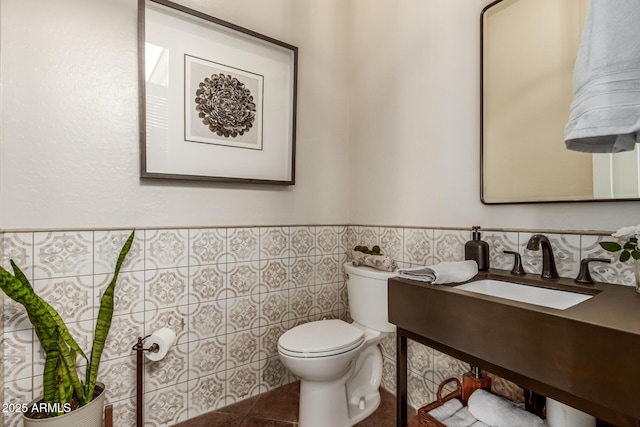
(587, 356)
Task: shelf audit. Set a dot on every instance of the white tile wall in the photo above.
(228, 293)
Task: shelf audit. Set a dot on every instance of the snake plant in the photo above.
(60, 378)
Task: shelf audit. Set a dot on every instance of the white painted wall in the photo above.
(70, 155)
(415, 124)
(70, 158)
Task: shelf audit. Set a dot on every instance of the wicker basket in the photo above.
(427, 420)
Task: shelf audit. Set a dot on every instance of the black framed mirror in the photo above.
(528, 51)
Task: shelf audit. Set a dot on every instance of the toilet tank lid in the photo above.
(320, 336)
(368, 271)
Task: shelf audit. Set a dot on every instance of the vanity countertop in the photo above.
(613, 306)
(587, 356)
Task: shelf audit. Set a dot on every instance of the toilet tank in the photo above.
(368, 297)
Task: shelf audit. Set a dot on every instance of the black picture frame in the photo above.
(173, 41)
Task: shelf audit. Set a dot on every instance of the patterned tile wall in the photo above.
(228, 293)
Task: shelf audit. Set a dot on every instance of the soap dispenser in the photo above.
(472, 381)
(477, 250)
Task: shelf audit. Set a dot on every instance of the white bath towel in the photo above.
(445, 411)
(445, 272)
(605, 113)
(462, 418)
(499, 412)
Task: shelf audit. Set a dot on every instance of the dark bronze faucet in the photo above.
(548, 262)
(584, 276)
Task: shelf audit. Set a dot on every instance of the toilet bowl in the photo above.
(340, 364)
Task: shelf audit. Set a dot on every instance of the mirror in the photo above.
(529, 49)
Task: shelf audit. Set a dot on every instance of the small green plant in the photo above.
(629, 248)
(60, 378)
(365, 250)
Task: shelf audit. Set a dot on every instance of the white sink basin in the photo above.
(551, 298)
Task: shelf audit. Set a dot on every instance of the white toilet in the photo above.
(340, 364)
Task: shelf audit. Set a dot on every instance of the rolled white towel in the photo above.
(379, 262)
(499, 412)
(444, 272)
(445, 411)
(462, 418)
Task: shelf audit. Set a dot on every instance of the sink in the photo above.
(552, 298)
(585, 356)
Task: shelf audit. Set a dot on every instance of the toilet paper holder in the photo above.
(140, 350)
(139, 347)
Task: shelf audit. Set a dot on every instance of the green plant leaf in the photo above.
(65, 389)
(635, 255)
(60, 376)
(633, 239)
(610, 246)
(62, 390)
(62, 328)
(624, 256)
(64, 332)
(49, 328)
(43, 324)
(629, 246)
(19, 289)
(19, 292)
(70, 375)
(103, 323)
(20, 275)
(50, 374)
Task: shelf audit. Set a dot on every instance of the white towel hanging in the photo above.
(605, 113)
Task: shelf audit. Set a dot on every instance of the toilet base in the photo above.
(316, 397)
(371, 403)
(347, 400)
(323, 405)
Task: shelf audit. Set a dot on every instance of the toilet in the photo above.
(340, 364)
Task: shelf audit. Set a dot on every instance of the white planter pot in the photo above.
(89, 415)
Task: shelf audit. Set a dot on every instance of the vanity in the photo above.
(586, 355)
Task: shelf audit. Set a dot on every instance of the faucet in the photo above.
(548, 262)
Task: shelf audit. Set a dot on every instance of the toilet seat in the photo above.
(320, 339)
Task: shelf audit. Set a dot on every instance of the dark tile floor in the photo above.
(279, 408)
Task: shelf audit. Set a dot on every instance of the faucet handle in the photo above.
(517, 263)
(584, 276)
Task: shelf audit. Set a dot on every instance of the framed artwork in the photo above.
(217, 101)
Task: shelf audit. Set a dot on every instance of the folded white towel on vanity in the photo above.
(445, 272)
(447, 410)
(500, 412)
(462, 418)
